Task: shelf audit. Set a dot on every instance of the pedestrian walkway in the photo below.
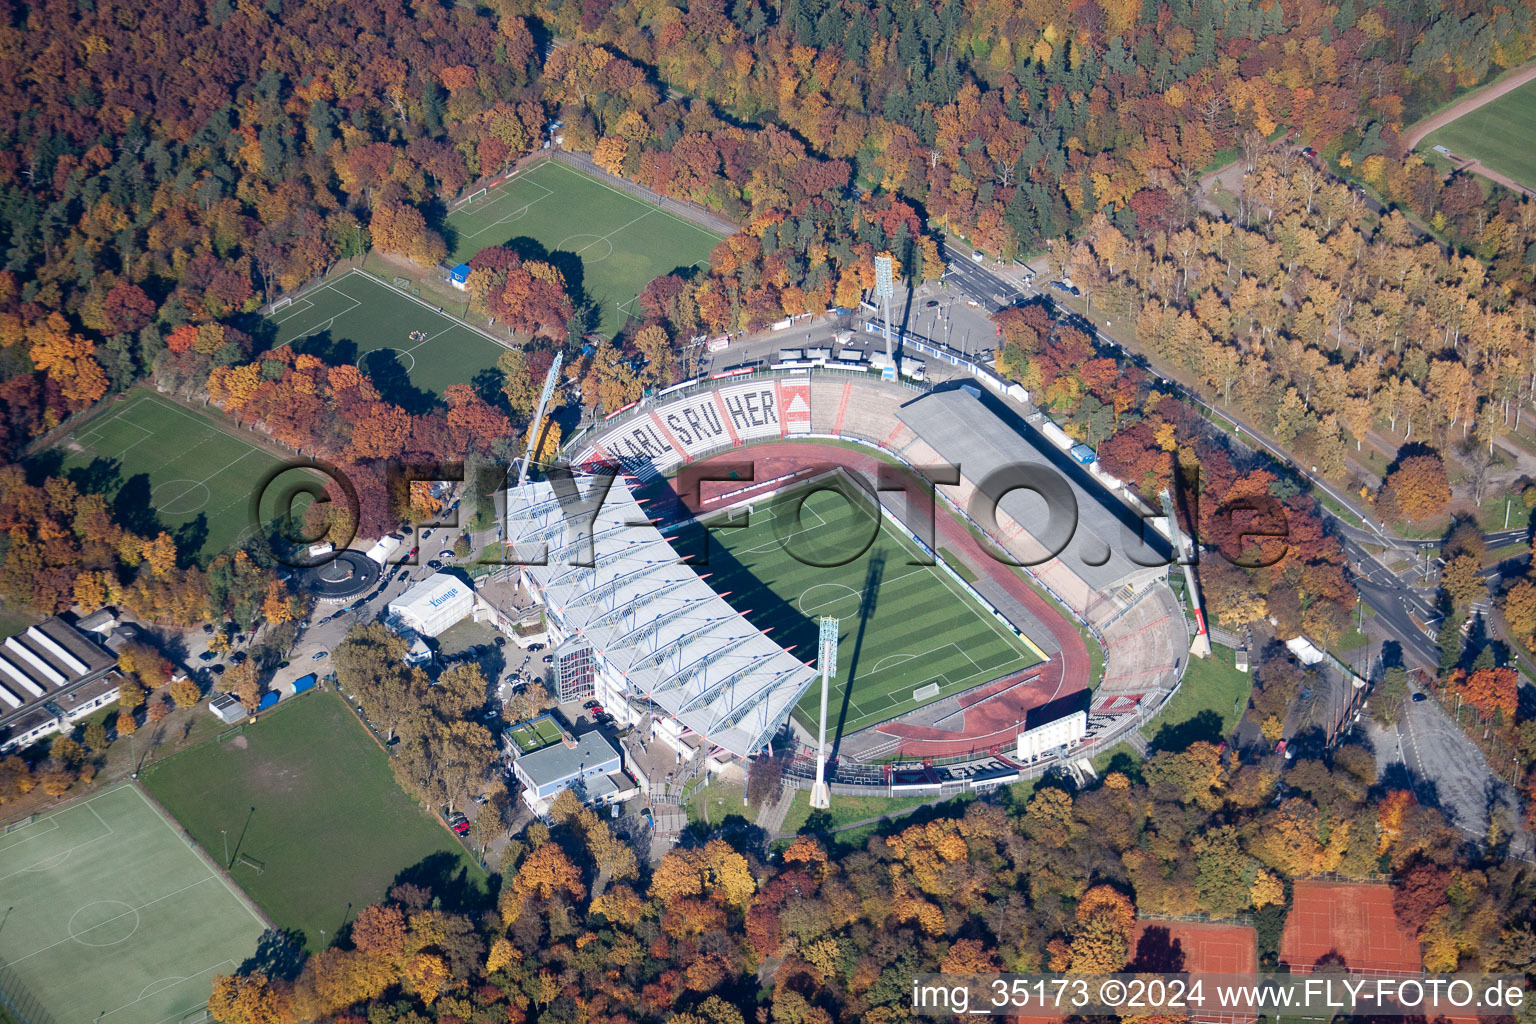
(770, 816)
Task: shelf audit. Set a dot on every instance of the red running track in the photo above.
(987, 722)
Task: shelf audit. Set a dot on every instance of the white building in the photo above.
(591, 765)
(383, 548)
(434, 604)
(1063, 732)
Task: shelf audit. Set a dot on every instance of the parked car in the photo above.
(425, 534)
(434, 564)
(445, 553)
(501, 641)
(237, 658)
(217, 670)
(549, 659)
(1420, 698)
(535, 647)
(413, 552)
(589, 705)
(208, 627)
(321, 654)
(930, 303)
(206, 656)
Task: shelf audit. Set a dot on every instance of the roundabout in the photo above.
(346, 576)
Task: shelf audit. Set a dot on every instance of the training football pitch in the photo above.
(166, 466)
(113, 916)
(1502, 134)
(622, 242)
(404, 344)
(315, 825)
(909, 634)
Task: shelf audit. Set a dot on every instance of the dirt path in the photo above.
(1466, 105)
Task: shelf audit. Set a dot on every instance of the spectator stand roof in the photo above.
(651, 620)
(1107, 544)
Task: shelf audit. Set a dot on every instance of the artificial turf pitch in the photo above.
(622, 242)
(113, 916)
(307, 794)
(1502, 134)
(358, 319)
(903, 625)
(189, 471)
(534, 735)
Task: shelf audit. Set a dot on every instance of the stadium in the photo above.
(693, 613)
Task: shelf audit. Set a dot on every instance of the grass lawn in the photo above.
(113, 915)
(14, 621)
(1501, 134)
(358, 319)
(164, 466)
(307, 794)
(903, 627)
(609, 244)
(1208, 705)
(710, 805)
(846, 810)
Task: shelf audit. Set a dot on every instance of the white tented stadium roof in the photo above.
(653, 623)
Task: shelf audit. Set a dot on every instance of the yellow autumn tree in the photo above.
(1267, 891)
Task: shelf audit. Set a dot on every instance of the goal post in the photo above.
(282, 303)
(474, 195)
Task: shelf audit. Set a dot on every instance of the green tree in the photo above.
(1389, 695)
(96, 735)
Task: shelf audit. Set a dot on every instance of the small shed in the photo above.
(227, 708)
(268, 699)
(304, 683)
(459, 276)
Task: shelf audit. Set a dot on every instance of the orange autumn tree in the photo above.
(1493, 691)
(68, 359)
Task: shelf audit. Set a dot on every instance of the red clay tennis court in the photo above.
(1193, 946)
(1353, 922)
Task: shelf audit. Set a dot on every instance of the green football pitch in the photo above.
(113, 916)
(622, 243)
(401, 342)
(909, 634)
(1502, 134)
(166, 466)
(315, 825)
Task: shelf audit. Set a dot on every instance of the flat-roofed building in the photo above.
(51, 675)
(592, 766)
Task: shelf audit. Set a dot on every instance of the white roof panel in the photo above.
(652, 621)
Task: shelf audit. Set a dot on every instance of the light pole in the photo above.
(225, 834)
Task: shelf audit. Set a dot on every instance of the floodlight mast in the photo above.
(885, 287)
(821, 795)
(536, 427)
